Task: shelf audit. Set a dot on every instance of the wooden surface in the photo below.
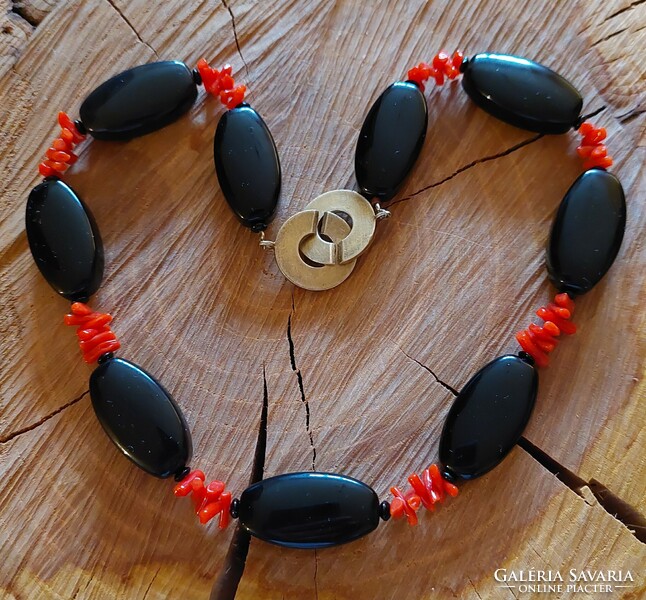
(450, 277)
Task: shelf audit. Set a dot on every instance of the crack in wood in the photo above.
(235, 35)
(489, 158)
(564, 475)
(615, 506)
(41, 421)
(631, 115)
(301, 386)
(594, 113)
(609, 36)
(470, 165)
(151, 583)
(226, 584)
(19, 9)
(127, 21)
(619, 509)
(442, 383)
(475, 589)
(625, 9)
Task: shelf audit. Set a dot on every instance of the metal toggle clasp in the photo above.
(317, 248)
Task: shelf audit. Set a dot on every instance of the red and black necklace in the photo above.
(317, 249)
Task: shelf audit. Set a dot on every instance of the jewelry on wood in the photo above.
(317, 248)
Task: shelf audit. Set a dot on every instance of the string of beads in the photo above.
(209, 500)
(60, 156)
(441, 66)
(93, 331)
(221, 84)
(539, 341)
(427, 490)
(592, 149)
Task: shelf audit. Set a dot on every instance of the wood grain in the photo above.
(451, 276)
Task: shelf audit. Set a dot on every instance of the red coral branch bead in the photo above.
(60, 156)
(592, 150)
(209, 500)
(538, 341)
(221, 84)
(93, 331)
(427, 490)
(441, 66)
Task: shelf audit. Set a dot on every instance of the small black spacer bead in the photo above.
(80, 127)
(183, 472)
(464, 64)
(449, 475)
(197, 78)
(105, 357)
(528, 358)
(258, 227)
(234, 508)
(384, 510)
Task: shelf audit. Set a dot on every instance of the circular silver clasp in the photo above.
(317, 248)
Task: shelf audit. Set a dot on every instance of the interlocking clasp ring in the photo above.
(317, 248)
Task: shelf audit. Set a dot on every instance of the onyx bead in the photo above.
(488, 417)
(247, 166)
(384, 510)
(309, 510)
(139, 101)
(234, 508)
(390, 140)
(587, 232)
(64, 240)
(522, 93)
(140, 417)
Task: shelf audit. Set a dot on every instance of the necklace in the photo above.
(317, 249)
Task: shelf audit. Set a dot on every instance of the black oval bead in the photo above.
(488, 417)
(247, 166)
(522, 93)
(64, 240)
(390, 140)
(140, 417)
(309, 510)
(139, 101)
(587, 232)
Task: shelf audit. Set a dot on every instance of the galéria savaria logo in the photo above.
(585, 581)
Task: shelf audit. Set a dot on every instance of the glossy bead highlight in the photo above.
(64, 240)
(587, 232)
(247, 166)
(390, 140)
(140, 417)
(522, 93)
(309, 510)
(488, 417)
(139, 101)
